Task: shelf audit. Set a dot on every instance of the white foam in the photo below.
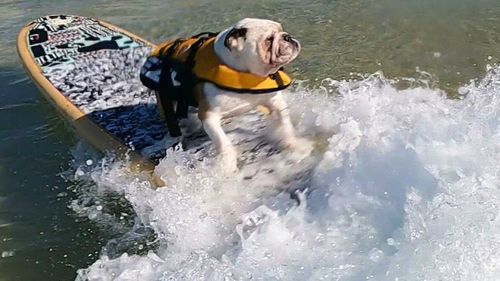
(7, 254)
(404, 187)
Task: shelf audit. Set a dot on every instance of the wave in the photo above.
(402, 185)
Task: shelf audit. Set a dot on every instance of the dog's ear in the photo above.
(233, 36)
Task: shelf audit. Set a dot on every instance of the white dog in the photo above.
(255, 48)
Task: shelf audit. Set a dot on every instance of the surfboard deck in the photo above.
(89, 70)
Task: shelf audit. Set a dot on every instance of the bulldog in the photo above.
(253, 51)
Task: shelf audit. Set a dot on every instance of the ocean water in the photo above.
(401, 100)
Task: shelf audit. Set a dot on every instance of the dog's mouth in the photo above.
(280, 49)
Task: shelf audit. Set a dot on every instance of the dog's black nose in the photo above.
(287, 37)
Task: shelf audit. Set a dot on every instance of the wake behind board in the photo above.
(89, 70)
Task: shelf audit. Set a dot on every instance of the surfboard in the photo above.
(89, 70)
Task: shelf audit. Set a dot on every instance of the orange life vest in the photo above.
(174, 68)
(207, 67)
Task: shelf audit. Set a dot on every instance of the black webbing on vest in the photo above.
(188, 99)
(182, 94)
(166, 103)
(276, 77)
(166, 89)
(202, 38)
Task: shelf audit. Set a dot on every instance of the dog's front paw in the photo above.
(299, 147)
(228, 161)
(289, 143)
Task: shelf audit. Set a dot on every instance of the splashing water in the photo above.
(403, 186)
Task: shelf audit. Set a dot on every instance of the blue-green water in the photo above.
(42, 239)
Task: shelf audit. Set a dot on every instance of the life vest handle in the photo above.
(206, 33)
(193, 49)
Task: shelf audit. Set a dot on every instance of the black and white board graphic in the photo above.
(96, 68)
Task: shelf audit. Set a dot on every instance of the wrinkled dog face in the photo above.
(258, 46)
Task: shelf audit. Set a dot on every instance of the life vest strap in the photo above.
(182, 94)
(193, 50)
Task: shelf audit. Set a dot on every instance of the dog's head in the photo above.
(257, 46)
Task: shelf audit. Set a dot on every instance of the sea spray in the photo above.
(402, 185)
